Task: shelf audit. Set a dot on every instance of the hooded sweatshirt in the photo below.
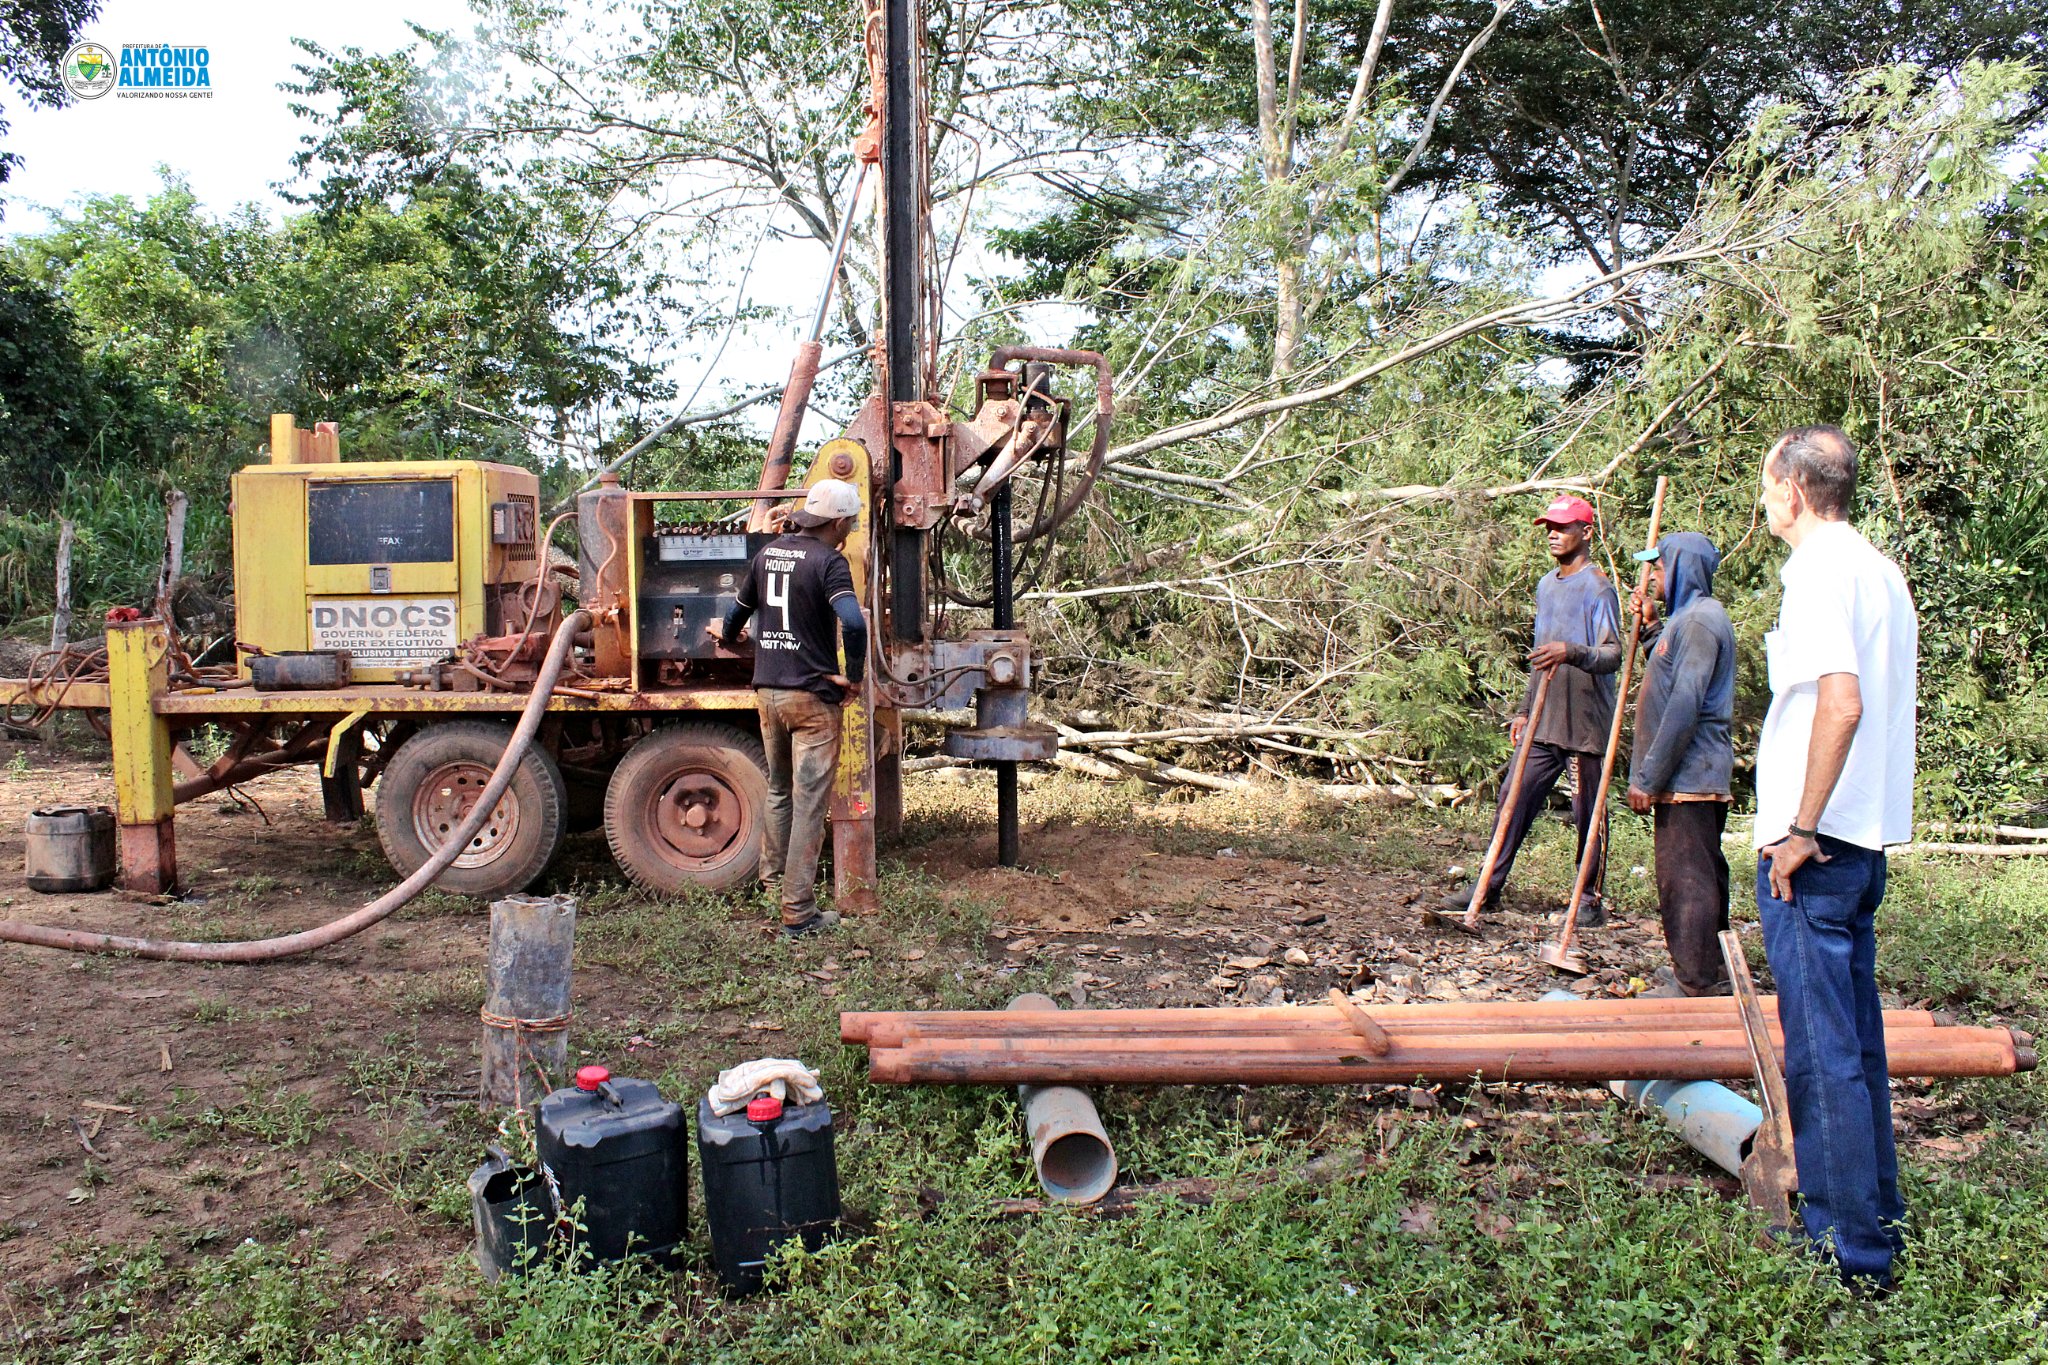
(1683, 745)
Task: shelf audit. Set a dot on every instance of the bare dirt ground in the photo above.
(1170, 908)
(331, 1096)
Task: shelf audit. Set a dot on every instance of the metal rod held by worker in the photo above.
(1069, 1148)
(1559, 954)
(1508, 799)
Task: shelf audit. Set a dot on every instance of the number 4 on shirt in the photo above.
(777, 593)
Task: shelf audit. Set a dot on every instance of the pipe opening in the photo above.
(1078, 1167)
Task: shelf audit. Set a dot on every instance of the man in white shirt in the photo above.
(1834, 779)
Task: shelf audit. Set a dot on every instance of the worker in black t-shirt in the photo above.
(803, 590)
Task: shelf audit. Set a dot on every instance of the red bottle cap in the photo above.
(764, 1109)
(591, 1077)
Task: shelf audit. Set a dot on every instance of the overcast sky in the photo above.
(232, 147)
(236, 146)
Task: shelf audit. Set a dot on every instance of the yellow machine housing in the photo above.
(397, 561)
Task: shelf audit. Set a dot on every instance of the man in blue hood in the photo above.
(1685, 755)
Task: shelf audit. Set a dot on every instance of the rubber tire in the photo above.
(738, 760)
(542, 803)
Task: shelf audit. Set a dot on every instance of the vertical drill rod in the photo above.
(1003, 617)
(902, 287)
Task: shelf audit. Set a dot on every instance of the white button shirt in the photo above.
(1846, 610)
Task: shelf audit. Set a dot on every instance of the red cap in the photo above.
(591, 1077)
(764, 1109)
(1565, 509)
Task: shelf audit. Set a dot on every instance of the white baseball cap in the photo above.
(828, 500)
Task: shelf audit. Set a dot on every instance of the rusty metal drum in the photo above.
(70, 848)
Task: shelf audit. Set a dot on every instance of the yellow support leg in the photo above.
(853, 790)
(853, 808)
(138, 672)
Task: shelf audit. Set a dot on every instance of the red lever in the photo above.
(591, 1077)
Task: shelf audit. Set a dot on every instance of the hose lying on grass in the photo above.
(382, 908)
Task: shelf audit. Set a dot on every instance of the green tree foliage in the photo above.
(1594, 123)
(49, 398)
(1597, 121)
(1328, 567)
(156, 339)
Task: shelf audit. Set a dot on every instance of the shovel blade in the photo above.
(1571, 964)
(1769, 1179)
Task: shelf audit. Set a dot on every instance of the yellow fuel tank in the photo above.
(397, 562)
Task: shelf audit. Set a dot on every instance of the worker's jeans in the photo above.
(1823, 952)
(1547, 764)
(1692, 890)
(800, 731)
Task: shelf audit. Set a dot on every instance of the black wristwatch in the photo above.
(1812, 834)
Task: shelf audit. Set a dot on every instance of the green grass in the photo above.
(1455, 1234)
(1414, 1260)
(1973, 934)
(277, 1118)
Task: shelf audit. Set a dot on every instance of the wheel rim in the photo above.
(697, 817)
(446, 798)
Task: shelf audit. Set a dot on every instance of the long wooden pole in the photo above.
(60, 619)
(173, 568)
(1509, 797)
(1559, 954)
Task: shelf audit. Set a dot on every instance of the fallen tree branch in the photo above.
(1436, 107)
(1172, 774)
(1202, 734)
(1997, 831)
(2035, 850)
(1573, 302)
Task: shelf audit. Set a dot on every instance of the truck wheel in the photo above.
(433, 781)
(686, 808)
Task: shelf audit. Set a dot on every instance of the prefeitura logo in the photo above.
(89, 71)
(163, 71)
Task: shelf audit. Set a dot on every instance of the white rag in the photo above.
(776, 1076)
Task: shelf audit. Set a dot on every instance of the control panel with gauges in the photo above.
(689, 577)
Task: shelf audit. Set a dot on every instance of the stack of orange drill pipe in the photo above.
(1591, 1042)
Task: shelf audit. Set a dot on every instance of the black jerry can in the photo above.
(621, 1149)
(769, 1175)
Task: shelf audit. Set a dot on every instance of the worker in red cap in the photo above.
(1578, 633)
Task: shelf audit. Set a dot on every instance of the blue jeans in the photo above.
(1823, 952)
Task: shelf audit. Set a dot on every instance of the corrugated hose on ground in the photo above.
(382, 908)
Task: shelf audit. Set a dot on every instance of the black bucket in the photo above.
(513, 1213)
